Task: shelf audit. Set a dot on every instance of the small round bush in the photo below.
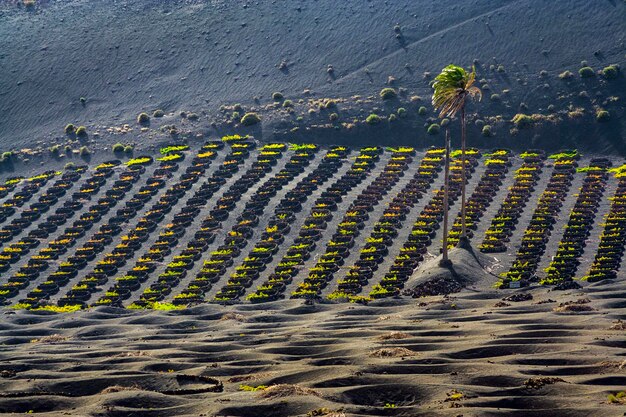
(566, 75)
(500, 68)
(238, 107)
(372, 119)
(495, 97)
(543, 73)
(69, 129)
(250, 119)
(444, 122)
(486, 130)
(143, 118)
(479, 122)
(128, 149)
(70, 165)
(402, 112)
(611, 72)
(392, 117)
(158, 113)
(81, 131)
(54, 150)
(603, 116)
(551, 108)
(277, 96)
(422, 111)
(333, 117)
(287, 103)
(522, 121)
(236, 115)
(68, 149)
(192, 116)
(586, 72)
(388, 93)
(7, 155)
(118, 147)
(84, 151)
(433, 129)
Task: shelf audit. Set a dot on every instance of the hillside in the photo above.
(125, 57)
(248, 279)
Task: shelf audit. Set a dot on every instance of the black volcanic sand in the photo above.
(411, 355)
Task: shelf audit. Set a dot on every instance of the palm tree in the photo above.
(451, 87)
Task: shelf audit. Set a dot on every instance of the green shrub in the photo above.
(84, 151)
(566, 75)
(81, 131)
(7, 155)
(402, 112)
(128, 149)
(143, 118)
(433, 129)
(250, 119)
(543, 73)
(238, 107)
(158, 113)
(500, 68)
(287, 103)
(333, 117)
(495, 97)
(611, 72)
(392, 117)
(486, 131)
(54, 150)
(445, 122)
(68, 149)
(69, 129)
(602, 116)
(277, 96)
(422, 111)
(522, 121)
(193, 116)
(236, 115)
(118, 147)
(372, 119)
(70, 165)
(388, 93)
(586, 72)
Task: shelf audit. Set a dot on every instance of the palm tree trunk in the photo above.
(463, 179)
(446, 183)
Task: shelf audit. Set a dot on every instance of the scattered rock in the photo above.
(501, 304)
(574, 306)
(7, 373)
(567, 285)
(396, 352)
(286, 390)
(516, 298)
(393, 336)
(536, 383)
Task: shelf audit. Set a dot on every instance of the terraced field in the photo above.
(264, 226)
(236, 221)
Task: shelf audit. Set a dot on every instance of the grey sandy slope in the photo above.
(127, 56)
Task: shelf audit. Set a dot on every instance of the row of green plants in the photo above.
(505, 222)
(565, 263)
(350, 226)
(608, 258)
(129, 280)
(497, 166)
(82, 291)
(45, 257)
(544, 217)
(392, 220)
(279, 224)
(43, 204)
(184, 260)
(314, 223)
(425, 228)
(30, 187)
